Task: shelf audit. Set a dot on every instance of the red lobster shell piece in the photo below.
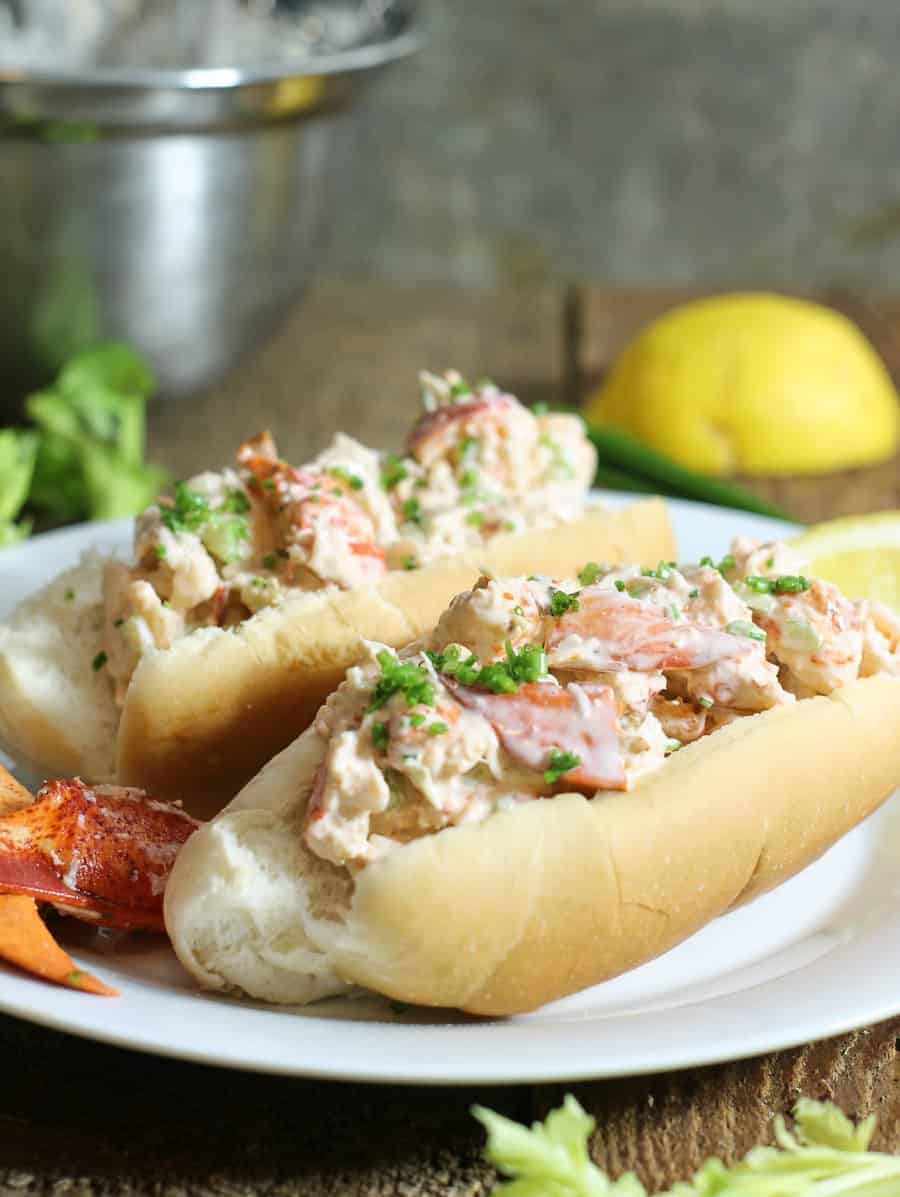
(103, 853)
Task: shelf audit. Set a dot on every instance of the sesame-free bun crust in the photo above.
(202, 718)
(57, 714)
(248, 907)
(553, 896)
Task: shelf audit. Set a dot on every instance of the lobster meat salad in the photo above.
(233, 542)
(529, 687)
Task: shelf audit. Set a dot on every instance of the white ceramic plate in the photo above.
(813, 958)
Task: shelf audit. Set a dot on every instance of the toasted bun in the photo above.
(57, 715)
(202, 718)
(551, 897)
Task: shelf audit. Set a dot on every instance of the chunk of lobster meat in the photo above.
(494, 613)
(817, 635)
(317, 519)
(611, 631)
(680, 720)
(440, 431)
(881, 639)
(539, 717)
(260, 456)
(103, 853)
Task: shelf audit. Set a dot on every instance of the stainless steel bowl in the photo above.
(180, 210)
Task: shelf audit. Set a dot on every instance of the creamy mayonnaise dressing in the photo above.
(233, 542)
(532, 686)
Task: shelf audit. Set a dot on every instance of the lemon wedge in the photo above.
(860, 554)
(753, 383)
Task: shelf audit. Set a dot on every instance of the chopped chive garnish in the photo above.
(393, 471)
(589, 574)
(187, 512)
(468, 447)
(662, 573)
(401, 677)
(344, 475)
(236, 503)
(527, 664)
(381, 734)
(497, 677)
(560, 762)
(437, 729)
(412, 511)
(99, 661)
(741, 627)
(561, 602)
(759, 585)
(786, 584)
(791, 584)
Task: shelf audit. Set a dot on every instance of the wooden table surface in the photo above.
(78, 1118)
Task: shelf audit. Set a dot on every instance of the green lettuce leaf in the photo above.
(90, 461)
(12, 533)
(18, 450)
(114, 487)
(825, 1155)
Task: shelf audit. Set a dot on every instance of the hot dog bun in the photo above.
(541, 901)
(202, 717)
(200, 720)
(57, 714)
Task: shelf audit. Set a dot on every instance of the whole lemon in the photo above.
(756, 384)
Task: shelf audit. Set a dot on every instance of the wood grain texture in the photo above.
(88, 1119)
(663, 1127)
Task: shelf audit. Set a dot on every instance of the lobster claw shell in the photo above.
(102, 853)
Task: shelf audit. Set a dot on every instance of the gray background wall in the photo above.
(667, 141)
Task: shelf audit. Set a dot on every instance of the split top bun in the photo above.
(186, 668)
(564, 780)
